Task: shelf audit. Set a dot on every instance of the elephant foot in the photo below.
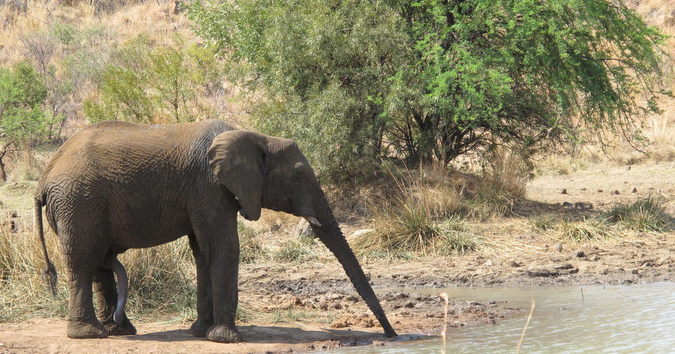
(223, 334)
(77, 329)
(199, 328)
(120, 330)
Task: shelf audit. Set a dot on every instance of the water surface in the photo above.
(574, 319)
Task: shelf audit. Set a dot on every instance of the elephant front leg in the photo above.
(224, 284)
(204, 296)
(104, 285)
(215, 230)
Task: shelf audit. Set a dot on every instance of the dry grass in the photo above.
(586, 230)
(300, 250)
(156, 18)
(162, 279)
(427, 210)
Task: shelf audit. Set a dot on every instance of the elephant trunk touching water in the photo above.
(115, 186)
(330, 234)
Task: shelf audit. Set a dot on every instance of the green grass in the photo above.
(643, 215)
(544, 222)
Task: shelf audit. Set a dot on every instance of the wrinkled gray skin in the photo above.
(115, 186)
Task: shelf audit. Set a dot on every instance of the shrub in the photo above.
(157, 84)
(23, 118)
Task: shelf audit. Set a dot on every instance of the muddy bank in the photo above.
(337, 321)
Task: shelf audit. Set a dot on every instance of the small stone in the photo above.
(567, 205)
(559, 247)
(362, 232)
(616, 192)
(514, 264)
(628, 167)
(634, 190)
(564, 191)
(580, 254)
(599, 190)
(409, 305)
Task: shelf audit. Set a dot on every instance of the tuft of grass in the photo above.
(411, 232)
(544, 222)
(250, 248)
(643, 215)
(296, 251)
(425, 215)
(585, 230)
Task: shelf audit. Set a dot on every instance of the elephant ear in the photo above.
(237, 161)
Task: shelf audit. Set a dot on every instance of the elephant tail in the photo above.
(50, 271)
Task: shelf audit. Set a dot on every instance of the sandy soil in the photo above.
(312, 306)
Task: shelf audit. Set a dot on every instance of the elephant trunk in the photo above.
(330, 234)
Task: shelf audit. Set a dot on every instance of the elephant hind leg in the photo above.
(83, 260)
(104, 285)
(204, 299)
(82, 321)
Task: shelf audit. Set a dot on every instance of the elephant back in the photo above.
(118, 153)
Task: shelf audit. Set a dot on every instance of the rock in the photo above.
(634, 190)
(551, 270)
(628, 167)
(594, 258)
(583, 205)
(564, 191)
(599, 190)
(515, 264)
(362, 232)
(616, 192)
(13, 214)
(559, 247)
(567, 205)
(580, 254)
(303, 229)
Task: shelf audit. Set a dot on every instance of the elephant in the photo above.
(115, 186)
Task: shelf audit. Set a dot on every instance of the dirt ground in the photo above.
(312, 306)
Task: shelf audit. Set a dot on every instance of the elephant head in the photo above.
(269, 172)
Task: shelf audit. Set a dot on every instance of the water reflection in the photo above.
(627, 319)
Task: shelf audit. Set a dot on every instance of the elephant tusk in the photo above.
(313, 221)
(122, 290)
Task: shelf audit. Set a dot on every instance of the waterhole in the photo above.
(570, 319)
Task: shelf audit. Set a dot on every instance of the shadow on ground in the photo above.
(272, 334)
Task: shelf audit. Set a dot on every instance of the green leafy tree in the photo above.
(431, 80)
(23, 120)
(154, 84)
